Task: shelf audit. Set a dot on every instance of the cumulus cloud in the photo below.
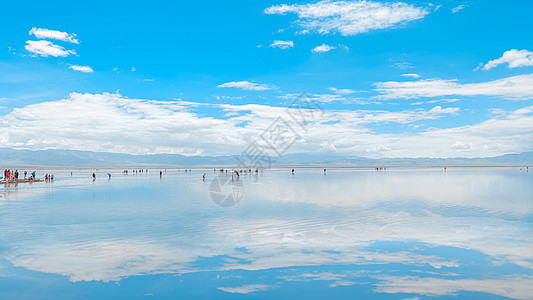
(140, 126)
(282, 44)
(411, 75)
(448, 110)
(323, 48)
(350, 17)
(462, 146)
(246, 85)
(47, 48)
(514, 87)
(43, 33)
(514, 58)
(110, 122)
(84, 69)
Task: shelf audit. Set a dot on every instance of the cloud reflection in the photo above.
(362, 218)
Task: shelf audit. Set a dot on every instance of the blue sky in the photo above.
(439, 79)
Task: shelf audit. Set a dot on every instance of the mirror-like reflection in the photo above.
(399, 233)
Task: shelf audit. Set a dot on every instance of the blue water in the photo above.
(350, 234)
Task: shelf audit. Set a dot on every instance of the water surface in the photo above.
(351, 233)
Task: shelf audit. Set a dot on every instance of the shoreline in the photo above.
(153, 168)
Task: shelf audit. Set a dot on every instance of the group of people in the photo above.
(236, 171)
(126, 172)
(48, 177)
(13, 175)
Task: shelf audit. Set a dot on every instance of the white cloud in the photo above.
(133, 69)
(323, 98)
(341, 91)
(110, 122)
(403, 65)
(344, 47)
(246, 85)
(514, 58)
(84, 69)
(516, 287)
(411, 75)
(43, 33)
(350, 17)
(448, 110)
(139, 126)
(444, 100)
(282, 44)
(458, 8)
(514, 87)
(462, 146)
(246, 289)
(46, 48)
(323, 48)
(327, 98)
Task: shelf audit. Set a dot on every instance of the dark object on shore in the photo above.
(20, 180)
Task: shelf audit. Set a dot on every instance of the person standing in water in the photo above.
(94, 176)
(109, 175)
(292, 171)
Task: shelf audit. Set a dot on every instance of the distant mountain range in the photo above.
(10, 158)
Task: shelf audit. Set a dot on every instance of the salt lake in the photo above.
(399, 233)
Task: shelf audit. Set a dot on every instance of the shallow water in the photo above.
(352, 233)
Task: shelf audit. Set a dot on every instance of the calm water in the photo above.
(350, 234)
